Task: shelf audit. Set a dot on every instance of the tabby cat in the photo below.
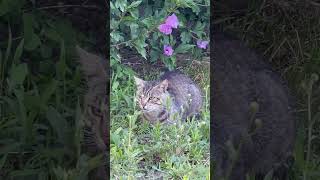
(253, 127)
(175, 96)
(96, 138)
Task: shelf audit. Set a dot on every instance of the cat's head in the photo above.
(152, 96)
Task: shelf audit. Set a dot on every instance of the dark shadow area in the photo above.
(53, 121)
(265, 75)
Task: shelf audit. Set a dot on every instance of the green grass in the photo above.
(145, 151)
(41, 97)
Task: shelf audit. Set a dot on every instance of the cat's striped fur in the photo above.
(96, 136)
(175, 96)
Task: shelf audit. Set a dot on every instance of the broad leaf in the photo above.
(183, 48)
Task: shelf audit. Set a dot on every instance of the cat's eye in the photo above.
(153, 99)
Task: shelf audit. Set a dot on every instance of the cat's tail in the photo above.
(96, 136)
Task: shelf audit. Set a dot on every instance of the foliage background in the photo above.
(41, 87)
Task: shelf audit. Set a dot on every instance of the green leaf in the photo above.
(121, 4)
(8, 51)
(127, 19)
(183, 48)
(134, 4)
(114, 10)
(4, 7)
(199, 29)
(18, 74)
(115, 85)
(25, 172)
(165, 40)
(3, 160)
(115, 137)
(48, 92)
(134, 13)
(32, 101)
(195, 9)
(149, 22)
(28, 21)
(140, 45)
(185, 37)
(18, 52)
(66, 31)
(134, 30)
(114, 25)
(11, 6)
(33, 43)
(12, 103)
(114, 56)
(57, 122)
(116, 37)
(142, 51)
(52, 34)
(185, 3)
(154, 55)
(95, 162)
(299, 150)
(22, 113)
(112, 7)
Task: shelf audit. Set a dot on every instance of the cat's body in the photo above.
(175, 96)
(96, 133)
(240, 77)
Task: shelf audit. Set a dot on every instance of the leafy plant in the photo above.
(159, 29)
(41, 118)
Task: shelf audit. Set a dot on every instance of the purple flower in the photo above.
(167, 50)
(165, 29)
(172, 21)
(202, 44)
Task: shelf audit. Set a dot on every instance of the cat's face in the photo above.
(152, 96)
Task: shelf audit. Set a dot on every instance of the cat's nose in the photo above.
(143, 105)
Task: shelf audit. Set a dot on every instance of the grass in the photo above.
(41, 97)
(140, 150)
(287, 34)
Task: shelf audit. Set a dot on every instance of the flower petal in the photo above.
(172, 21)
(165, 29)
(202, 44)
(167, 50)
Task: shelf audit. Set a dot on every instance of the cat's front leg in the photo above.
(175, 115)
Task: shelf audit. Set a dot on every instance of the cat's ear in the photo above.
(139, 82)
(163, 86)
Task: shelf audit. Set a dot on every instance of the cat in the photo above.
(175, 96)
(96, 138)
(253, 128)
